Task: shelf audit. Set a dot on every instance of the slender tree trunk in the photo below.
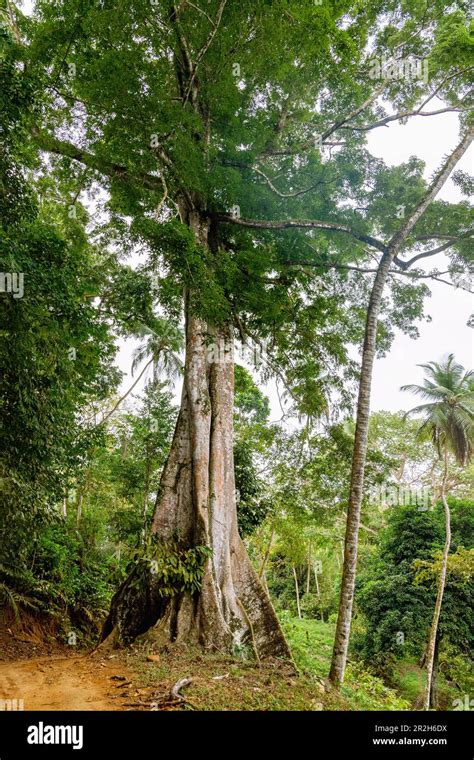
(344, 619)
(262, 574)
(263, 566)
(431, 648)
(297, 592)
(308, 570)
(434, 679)
(316, 581)
(422, 660)
(146, 492)
(82, 489)
(79, 500)
(196, 501)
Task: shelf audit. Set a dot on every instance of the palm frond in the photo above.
(450, 415)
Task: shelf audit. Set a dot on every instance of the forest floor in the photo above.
(74, 682)
(58, 677)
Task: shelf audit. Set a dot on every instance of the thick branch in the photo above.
(51, 144)
(402, 115)
(285, 224)
(431, 252)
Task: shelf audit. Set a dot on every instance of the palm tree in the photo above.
(448, 416)
(162, 347)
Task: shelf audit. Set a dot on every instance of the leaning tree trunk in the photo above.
(431, 648)
(343, 626)
(197, 502)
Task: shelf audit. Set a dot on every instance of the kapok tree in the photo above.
(230, 139)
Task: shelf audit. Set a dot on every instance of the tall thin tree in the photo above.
(448, 416)
(391, 251)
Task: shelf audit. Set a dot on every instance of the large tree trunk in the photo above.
(431, 648)
(197, 502)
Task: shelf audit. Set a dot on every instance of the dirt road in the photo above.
(80, 682)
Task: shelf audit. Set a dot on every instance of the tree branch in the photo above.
(285, 224)
(122, 398)
(355, 112)
(342, 123)
(424, 254)
(367, 270)
(402, 115)
(51, 144)
(197, 8)
(205, 47)
(278, 192)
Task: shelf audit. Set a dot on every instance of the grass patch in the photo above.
(311, 643)
(409, 679)
(222, 682)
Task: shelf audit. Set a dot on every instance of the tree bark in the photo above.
(434, 679)
(197, 503)
(341, 642)
(431, 648)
